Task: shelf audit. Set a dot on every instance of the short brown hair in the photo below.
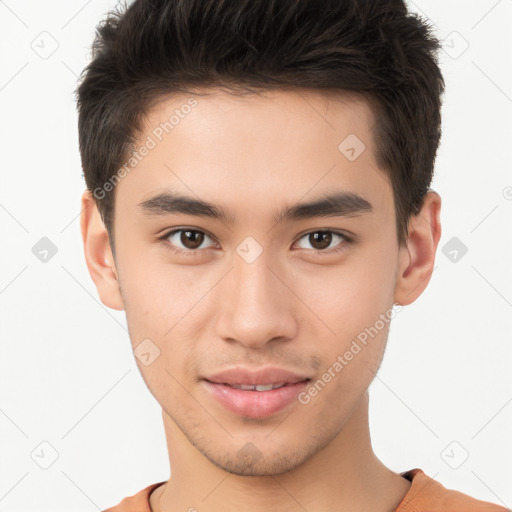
(153, 48)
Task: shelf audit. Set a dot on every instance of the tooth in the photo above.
(243, 387)
(258, 387)
(264, 387)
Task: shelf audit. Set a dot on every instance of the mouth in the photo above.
(256, 387)
(256, 395)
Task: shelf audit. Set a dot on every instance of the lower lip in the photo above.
(255, 404)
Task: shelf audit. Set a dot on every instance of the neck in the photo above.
(344, 475)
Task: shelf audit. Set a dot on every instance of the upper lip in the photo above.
(245, 377)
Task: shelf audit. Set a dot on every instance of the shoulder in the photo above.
(138, 502)
(428, 495)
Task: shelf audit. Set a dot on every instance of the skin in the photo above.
(255, 155)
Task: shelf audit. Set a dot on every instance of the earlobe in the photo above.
(416, 260)
(98, 254)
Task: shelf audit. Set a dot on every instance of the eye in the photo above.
(322, 239)
(190, 241)
(185, 240)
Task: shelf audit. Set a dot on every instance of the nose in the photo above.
(256, 304)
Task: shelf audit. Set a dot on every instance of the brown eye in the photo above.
(186, 239)
(191, 239)
(321, 240)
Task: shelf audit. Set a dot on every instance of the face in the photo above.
(242, 285)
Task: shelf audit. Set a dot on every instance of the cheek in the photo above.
(347, 299)
(353, 305)
(163, 306)
(158, 300)
(157, 310)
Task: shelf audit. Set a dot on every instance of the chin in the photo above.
(251, 461)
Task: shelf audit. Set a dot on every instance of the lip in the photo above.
(255, 404)
(269, 375)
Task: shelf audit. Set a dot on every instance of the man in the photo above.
(258, 203)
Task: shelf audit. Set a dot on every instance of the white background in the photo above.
(67, 372)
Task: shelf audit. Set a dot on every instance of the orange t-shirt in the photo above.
(424, 495)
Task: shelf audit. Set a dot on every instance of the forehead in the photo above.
(258, 149)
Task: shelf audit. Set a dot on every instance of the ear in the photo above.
(98, 254)
(416, 259)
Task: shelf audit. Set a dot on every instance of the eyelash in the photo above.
(340, 247)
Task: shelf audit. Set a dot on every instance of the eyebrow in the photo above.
(340, 204)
